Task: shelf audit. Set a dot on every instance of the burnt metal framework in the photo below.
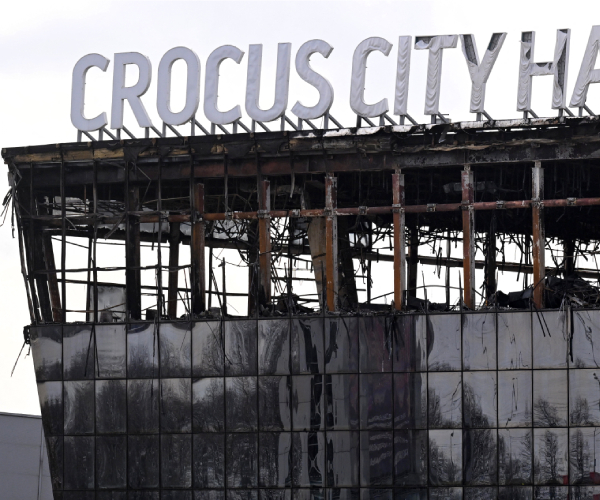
(324, 199)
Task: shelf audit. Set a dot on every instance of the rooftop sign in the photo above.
(479, 71)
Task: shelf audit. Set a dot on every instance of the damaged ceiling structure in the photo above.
(151, 387)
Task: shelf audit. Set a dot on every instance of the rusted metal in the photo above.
(468, 225)
(331, 252)
(174, 240)
(198, 273)
(150, 217)
(399, 240)
(539, 234)
(264, 242)
(413, 261)
(490, 260)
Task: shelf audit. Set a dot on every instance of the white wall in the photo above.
(24, 473)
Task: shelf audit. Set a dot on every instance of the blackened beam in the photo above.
(538, 234)
(399, 240)
(468, 223)
(174, 240)
(511, 267)
(405, 139)
(384, 149)
(147, 216)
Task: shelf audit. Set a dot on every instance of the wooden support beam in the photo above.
(264, 242)
(413, 261)
(331, 244)
(468, 219)
(538, 233)
(197, 247)
(132, 256)
(399, 240)
(490, 260)
(174, 239)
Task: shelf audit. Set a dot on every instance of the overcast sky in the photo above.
(41, 41)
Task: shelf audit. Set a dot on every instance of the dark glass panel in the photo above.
(343, 449)
(79, 462)
(176, 405)
(274, 347)
(175, 340)
(275, 450)
(274, 404)
(242, 460)
(209, 460)
(143, 453)
(342, 396)
(176, 460)
(208, 346)
(78, 352)
(79, 404)
(111, 406)
(111, 462)
(375, 344)
(142, 350)
(410, 458)
(241, 347)
(241, 404)
(341, 345)
(376, 457)
(46, 347)
(376, 406)
(110, 347)
(307, 346)
(209, 405)
(142, 406)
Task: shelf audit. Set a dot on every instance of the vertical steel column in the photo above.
(569, 257)
(539, 234)
(413, 259)
(52, 278)
(174, 239)
(264, 242)
(198, 249)
(468, 220)
(399, 240)
(132, 249)
(490, 260)
(331, 243)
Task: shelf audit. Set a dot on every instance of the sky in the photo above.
(40, 42)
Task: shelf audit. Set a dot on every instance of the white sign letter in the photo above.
(587, 73)
(436, 46)
(282, 83)
(557, 68)
(402, 75)
(80, 70)
(192, 89)
(311, 76)
(211, 85)
(359, 74)
(480, 72)
(131, 94)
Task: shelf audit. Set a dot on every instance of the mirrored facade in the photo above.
(478, 405)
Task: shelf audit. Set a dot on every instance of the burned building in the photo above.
(329, 366)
